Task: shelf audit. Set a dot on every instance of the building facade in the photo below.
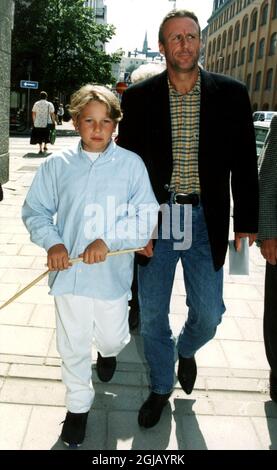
(6, 24)
(99, 8)
(242, 42)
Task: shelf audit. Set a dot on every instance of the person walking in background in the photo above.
(185, 124)
(60, 114)
(56, 104)
(101, 197)
(267, 237)
(42, 115)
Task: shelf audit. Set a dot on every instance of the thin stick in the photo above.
(72, 261)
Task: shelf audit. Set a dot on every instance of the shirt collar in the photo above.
(196, 90)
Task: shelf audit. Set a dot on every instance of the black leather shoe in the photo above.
(187, 372)
(273, 387)
(152, 408)
(133, 318)
(105, 367)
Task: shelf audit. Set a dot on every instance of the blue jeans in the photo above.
(204, 288)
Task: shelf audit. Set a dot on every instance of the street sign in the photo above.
(28, 84)
(120, 87)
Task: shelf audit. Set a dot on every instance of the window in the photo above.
(237, 31)
(258, 81)
(209, 49)
(235, 57)
(273, 44)
(228, 62)
(254, 21)
(214, 43)
(218, 43)
(268, 82)
(242, 56)
(224, 39)
(274, 9)
(230, 36)
(261, 48)
(264, 14)
(244, 27)
(251, 52)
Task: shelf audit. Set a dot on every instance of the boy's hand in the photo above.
(57, 258)
(95, 252)
(147, 250)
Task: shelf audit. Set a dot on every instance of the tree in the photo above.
(59, 43)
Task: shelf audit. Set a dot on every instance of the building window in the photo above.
(224, 40)
(235, 57)
(242, 56)
(218, 44)
(265, 107)
(244, 27)
(274, 10)
(261, 48)
(273, 44)
(268, 82)
(209, 49)
(258, 81)
(214, 44)
(254, 21)
(264, 14)
(251, 52)
(228, 62)
(248, 81)
(237, 31)
(230, 36)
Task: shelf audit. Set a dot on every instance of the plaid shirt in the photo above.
(185, 119)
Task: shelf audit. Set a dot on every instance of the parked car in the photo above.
(261, 131)
(263, 115)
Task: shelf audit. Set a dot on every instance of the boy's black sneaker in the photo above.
(105, 367)
(74, 428)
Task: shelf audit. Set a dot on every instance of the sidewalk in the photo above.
(229, 408)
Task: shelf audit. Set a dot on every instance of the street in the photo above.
(229, 408)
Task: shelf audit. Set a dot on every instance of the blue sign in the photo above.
(28, 84)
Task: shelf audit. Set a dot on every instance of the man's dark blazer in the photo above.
(226, 147)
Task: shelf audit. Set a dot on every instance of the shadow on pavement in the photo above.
(271, 416)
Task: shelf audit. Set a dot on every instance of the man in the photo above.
(186, 126)
(267, 236)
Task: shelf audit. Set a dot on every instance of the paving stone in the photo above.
(238, 308)
(13, 425)
(211, 355)
(43, 316)
(12, 358)
(251, 329)
(228, 329)
(241, 291)
(16, 314)
(267, 432)
(44, 428)
(29, 341)
(245, 354)
(33, 392)
(35, 372)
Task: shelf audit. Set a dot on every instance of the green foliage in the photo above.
(58, 42)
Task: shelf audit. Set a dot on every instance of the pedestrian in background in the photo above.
(77, 188)
(60, 114)
(43, 117)
(267, 237)
(185, 124)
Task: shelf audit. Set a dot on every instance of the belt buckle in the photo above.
(175, 195)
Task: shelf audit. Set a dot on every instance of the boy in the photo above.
(95, 192)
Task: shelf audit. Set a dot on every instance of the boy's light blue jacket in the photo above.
(74, 201)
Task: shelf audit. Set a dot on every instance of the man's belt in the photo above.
(182, 198)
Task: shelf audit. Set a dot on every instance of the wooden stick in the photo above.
(72, 261)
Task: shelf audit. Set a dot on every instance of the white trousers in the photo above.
(82, 322)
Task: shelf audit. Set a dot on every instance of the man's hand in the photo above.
(147, 250)
(57, 258)
(238, 235)
(269, 250)
(95, 252)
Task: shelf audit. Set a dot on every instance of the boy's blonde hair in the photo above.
(98, 93)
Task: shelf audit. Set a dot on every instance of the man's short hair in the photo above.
(43, 95)
(177, 14)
